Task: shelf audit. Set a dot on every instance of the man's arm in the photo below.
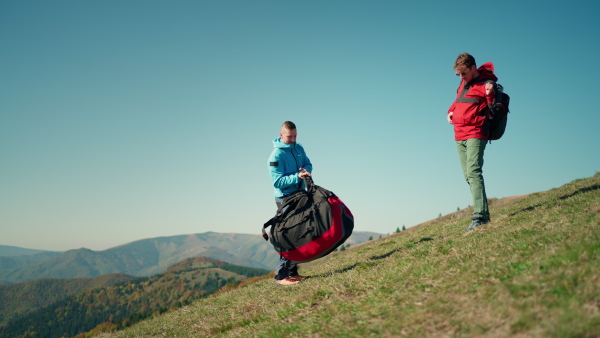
(278, 177)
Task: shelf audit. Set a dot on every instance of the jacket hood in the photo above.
(277, 143)
(486, 71)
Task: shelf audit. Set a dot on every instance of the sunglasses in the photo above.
(462, 73)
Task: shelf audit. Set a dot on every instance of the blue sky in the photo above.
(125, 120)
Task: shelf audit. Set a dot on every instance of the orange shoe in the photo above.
(287, 281)
(298, 278)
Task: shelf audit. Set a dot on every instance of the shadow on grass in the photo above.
(346, 269)
(581, 191)
(374, 258)
(562, 198)
(531, 208)
(386, 255)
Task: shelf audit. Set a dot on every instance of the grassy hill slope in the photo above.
(533, 271)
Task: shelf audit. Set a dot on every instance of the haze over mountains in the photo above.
(142, 258)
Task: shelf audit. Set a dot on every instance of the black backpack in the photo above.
(309, 224)
(498, 113)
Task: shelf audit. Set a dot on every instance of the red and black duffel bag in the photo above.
(309, 224)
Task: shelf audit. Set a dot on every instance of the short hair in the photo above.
(464, 61)
(289, 125)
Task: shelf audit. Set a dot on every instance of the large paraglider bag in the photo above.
(309, 224)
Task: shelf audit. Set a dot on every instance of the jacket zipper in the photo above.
(296, 160)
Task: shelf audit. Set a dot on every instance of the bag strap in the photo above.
(466, 88)
(272, 221)
(308, 181)
(265, 226)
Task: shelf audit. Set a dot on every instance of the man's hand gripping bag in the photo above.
(309, 224)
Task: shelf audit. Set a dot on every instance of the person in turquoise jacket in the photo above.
(288, 165)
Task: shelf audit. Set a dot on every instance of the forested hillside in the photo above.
(123, 304)
(20, 299)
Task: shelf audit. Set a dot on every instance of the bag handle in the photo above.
(310, 184)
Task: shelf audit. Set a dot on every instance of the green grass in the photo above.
(533, 271)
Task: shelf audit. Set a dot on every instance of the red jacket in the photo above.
(471, 109)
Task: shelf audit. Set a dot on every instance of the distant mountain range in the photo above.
(142, 258)
(9, 251)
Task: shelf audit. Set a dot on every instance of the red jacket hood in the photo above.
(486, 71)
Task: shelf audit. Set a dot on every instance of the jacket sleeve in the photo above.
(277, 172)
(451, 109)
(492, 95)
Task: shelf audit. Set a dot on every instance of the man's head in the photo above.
(288, 132)
(465, 67)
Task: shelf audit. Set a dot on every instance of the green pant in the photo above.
(470, 153)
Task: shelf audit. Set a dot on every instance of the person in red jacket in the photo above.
(469, 114)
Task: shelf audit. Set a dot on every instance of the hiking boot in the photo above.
(287, 281)
(298, 278)
(475, 223)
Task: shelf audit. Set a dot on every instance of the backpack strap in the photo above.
(281, 212)
(466, 88)
(462, 97)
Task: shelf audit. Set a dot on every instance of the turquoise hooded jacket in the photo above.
(284, 166)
